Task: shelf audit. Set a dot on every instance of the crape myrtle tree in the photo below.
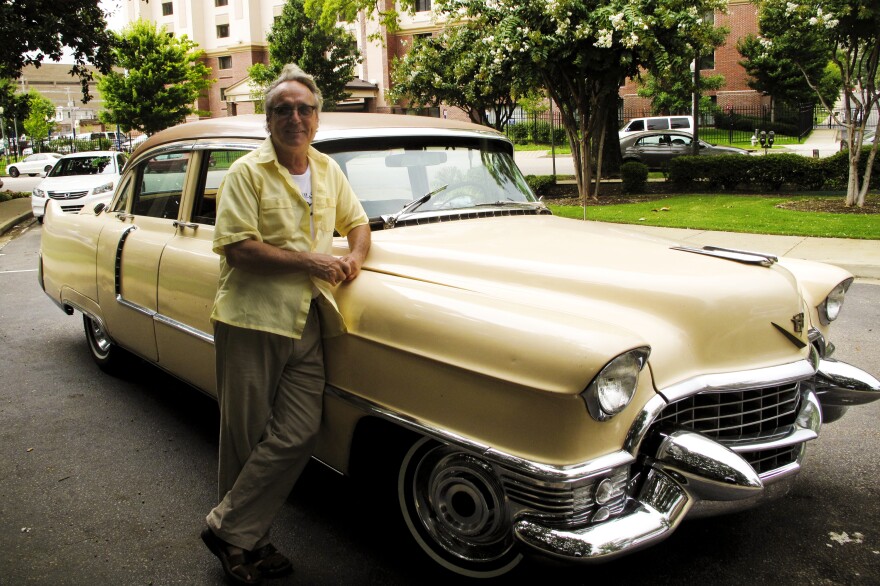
(326, 51)
(582, 50)
(456, 68)
(847, 32)
(671, 91)
(160, 80)
(34, 30)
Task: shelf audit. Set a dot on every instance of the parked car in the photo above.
(683, 123)
(519, 382)
(656, 148)
(36, 164)
(79, 180)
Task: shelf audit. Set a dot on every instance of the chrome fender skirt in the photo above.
(839, 384)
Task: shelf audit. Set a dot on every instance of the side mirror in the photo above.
(99, 207)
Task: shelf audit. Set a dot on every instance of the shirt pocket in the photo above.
(275, 214)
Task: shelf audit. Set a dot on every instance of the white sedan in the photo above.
(79, 180)
(38, 163)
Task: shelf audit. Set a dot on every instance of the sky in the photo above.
(114, 21)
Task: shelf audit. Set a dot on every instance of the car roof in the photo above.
(331, 125)
(90, 154)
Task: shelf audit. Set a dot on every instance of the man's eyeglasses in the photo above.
(303, 110)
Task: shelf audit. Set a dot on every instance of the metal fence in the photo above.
(735, 124)
(63, 146)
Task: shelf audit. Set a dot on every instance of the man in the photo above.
(277, 209)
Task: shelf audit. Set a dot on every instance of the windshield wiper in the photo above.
(391, 221)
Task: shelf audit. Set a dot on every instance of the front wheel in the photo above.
(454, 506)
(107, 355)
(13, 171)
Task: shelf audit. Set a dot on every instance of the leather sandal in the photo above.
(235, 565)
(270, 562)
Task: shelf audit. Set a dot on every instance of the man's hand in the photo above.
(329, 268)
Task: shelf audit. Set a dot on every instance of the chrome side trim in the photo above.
(741, 380)
(180, 326)
(117, 265)
(545, 472)
(134, 306)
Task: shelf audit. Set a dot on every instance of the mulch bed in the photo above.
(611, 194)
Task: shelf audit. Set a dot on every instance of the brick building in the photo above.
(741, 19)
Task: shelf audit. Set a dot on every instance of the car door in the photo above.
(130, 249)
(189, 272)
(652, 150)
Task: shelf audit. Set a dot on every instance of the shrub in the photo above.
(633, 177)
(835, 169)
(518, 133)
(723, 171)
(774, 171)
(539, 182)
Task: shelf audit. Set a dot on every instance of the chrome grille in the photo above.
(73, 208)
(67, 194)
(739, 417)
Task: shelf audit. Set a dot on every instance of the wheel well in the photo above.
(373, 436)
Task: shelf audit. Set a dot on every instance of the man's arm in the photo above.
(264, 259)
(359, 240)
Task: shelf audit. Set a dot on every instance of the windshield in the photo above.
(457, 173)
(99, 165)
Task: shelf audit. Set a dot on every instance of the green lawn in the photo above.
(732, 213)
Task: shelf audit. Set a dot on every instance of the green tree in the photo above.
(581, 51)
(846, 32)
(453, 69)
(33, 30)
(779, 76)
(327, 52)
(671, 91)
(161, 79)
(41, 116)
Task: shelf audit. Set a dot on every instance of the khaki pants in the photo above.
(270, 390)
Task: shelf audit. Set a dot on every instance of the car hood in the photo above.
(589, 291)
(75, 182)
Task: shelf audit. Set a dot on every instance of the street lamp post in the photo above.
(3, 128)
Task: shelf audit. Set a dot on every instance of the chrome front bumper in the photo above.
(690, 474)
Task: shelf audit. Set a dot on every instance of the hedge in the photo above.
(768, 172)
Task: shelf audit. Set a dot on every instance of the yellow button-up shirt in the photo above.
(258, 199)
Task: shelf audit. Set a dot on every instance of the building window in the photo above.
(223, 94)
(167, 8)
(423, 5)
(222, 31)
(224, 62)
(707, 62)
(221, 2)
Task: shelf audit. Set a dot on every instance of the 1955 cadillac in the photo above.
(528, 383)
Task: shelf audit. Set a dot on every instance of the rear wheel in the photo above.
(107, 355)
(454, 506)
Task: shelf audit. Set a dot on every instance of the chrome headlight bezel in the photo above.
(613, 389)
(39, 192)
(829, 309)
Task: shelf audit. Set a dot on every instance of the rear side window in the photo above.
(658, 124)
(680, 123)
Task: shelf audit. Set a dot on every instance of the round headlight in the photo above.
(830, 308)
(613, 388)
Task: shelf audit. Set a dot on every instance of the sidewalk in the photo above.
(860, 257)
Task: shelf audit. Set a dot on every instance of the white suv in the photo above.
(79, 180)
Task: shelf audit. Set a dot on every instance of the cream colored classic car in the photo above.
(536, 384)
